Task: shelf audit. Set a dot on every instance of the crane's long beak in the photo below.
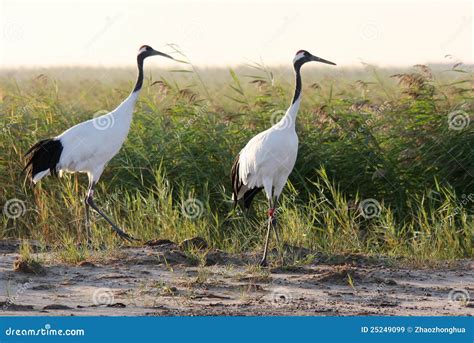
(161, 54)
(322, 60)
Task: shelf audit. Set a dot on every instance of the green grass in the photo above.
(363, 135)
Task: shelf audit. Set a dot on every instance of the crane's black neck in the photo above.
(139, 83)
(297, 95)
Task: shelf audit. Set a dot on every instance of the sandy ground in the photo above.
(160, 280)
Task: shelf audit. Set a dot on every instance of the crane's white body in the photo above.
(87, 147)
(268, 158)
(90, 145)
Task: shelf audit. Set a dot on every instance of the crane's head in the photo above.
(147, 51)
(302, 56)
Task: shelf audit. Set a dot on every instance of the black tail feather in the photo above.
(249, 195)
(42, 156)
(237, 185)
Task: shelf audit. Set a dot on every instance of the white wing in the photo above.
(269, 155)
(88, 146)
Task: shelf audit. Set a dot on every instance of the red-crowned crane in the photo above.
(268, 158)
(87, 147)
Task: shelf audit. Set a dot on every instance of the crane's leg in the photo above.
(88, 220)
(90, 202)
(275, 229)
(274, 221)
(271, 214)
(88, 224)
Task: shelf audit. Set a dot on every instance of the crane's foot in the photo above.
(125, 236)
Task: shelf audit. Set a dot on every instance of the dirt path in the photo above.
(161, 281)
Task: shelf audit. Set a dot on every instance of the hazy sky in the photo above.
(220, 32)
